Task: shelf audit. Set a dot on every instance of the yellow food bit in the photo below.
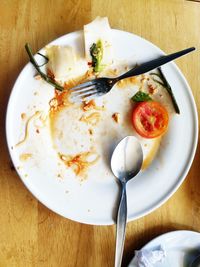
(26, 134)
(92, 119)
(23, 116)
(116, 117)
(25, 156)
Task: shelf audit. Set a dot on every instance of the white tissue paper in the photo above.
(147, 258)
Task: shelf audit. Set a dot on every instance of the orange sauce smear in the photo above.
(79, 163)
(62, 99)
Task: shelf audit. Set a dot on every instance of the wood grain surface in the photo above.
(30, 234)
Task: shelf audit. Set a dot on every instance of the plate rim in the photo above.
(166, 235)
(184, 171)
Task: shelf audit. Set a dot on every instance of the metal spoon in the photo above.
(126, 162)
(196, 262)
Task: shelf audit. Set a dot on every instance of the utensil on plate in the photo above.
(126, 162)
(101, 86)
(196, 262)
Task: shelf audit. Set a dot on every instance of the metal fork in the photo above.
(101, 86)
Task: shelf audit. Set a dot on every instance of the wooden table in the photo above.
(32, 235)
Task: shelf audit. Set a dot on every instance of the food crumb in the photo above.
(37, 77)
(126, 68)
(90, 131)
(23, 116)
(116, 117)
(144, 78)
(92, 119)
(26, 175)
(151, 89)
(89, 105)
(37, 131)
(25, 156)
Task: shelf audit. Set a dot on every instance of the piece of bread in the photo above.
(99, 29)
(62, 60)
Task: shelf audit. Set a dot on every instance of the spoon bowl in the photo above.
(127, 158)
(126, 162)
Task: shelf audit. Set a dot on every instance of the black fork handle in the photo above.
(155, 63)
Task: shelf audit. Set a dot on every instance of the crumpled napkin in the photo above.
(147, 258)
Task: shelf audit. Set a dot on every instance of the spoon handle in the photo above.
(121, 226)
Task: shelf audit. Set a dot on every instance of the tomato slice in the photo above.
(150, 119)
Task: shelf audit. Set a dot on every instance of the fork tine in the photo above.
(80, 90)
(82, 85)
(91, 97)
(84, 91)
(79, 100)
(90, 92)
(84, 95)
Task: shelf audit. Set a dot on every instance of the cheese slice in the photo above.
(99, 30)
(62, 60)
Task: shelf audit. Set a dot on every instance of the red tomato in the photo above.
(150, 119)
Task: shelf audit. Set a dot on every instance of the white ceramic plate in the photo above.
(181, 247)
(94, 200)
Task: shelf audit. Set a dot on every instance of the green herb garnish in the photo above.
(96, 52)
(166, 85)
(37, 67)
(141, 97)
